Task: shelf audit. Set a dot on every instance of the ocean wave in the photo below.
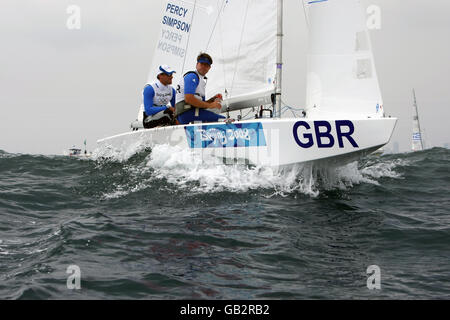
(111, 154)
(183, 227)
(7, 155)
(115, 174)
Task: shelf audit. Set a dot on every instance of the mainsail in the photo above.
(240, 35)
(341, 79)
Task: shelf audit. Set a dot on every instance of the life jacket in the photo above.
(163, 94)
(200, 93)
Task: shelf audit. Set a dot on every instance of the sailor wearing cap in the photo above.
(157, 96)
(191, 105)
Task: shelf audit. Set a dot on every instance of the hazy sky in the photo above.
(60, 86)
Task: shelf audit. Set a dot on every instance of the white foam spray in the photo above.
(182, 167)
(119, 155)
(185, 169)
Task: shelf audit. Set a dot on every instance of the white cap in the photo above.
(165, 69)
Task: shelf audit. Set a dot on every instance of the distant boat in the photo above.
(76, 152)
(417, 140)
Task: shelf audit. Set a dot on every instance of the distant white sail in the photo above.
(342, 80)
(417, 141)
(240, 35)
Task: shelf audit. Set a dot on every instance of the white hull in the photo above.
(267, 142)
(81, 156)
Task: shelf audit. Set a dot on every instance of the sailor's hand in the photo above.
(215, 105)
(171, 109)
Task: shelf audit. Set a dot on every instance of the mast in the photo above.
(279, 57)
(417, 143)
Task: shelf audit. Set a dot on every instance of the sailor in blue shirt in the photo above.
(190, 101)
(157, 96)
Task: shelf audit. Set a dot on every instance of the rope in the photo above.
(215, 23)
(244, 117)
(223, 55)
(222, 6)
(240, 43)
(304, 11)
(285, 108)
(189, 36)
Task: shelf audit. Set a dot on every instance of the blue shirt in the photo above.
(191, 83)
(151, 109)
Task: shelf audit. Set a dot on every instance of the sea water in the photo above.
(164, 224)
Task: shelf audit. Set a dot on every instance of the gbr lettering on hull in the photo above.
(322, 134)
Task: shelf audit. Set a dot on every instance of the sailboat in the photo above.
(77, 152)
(343, 119)
(417, 141)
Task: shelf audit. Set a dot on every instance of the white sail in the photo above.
(417, 142)
(178, 33)
(239, 35)
(244, 48)
(342, 80)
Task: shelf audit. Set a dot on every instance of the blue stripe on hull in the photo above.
(226, 135)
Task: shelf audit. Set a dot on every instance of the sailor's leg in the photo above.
(208, 116)
(158, 119)
(186, 117)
